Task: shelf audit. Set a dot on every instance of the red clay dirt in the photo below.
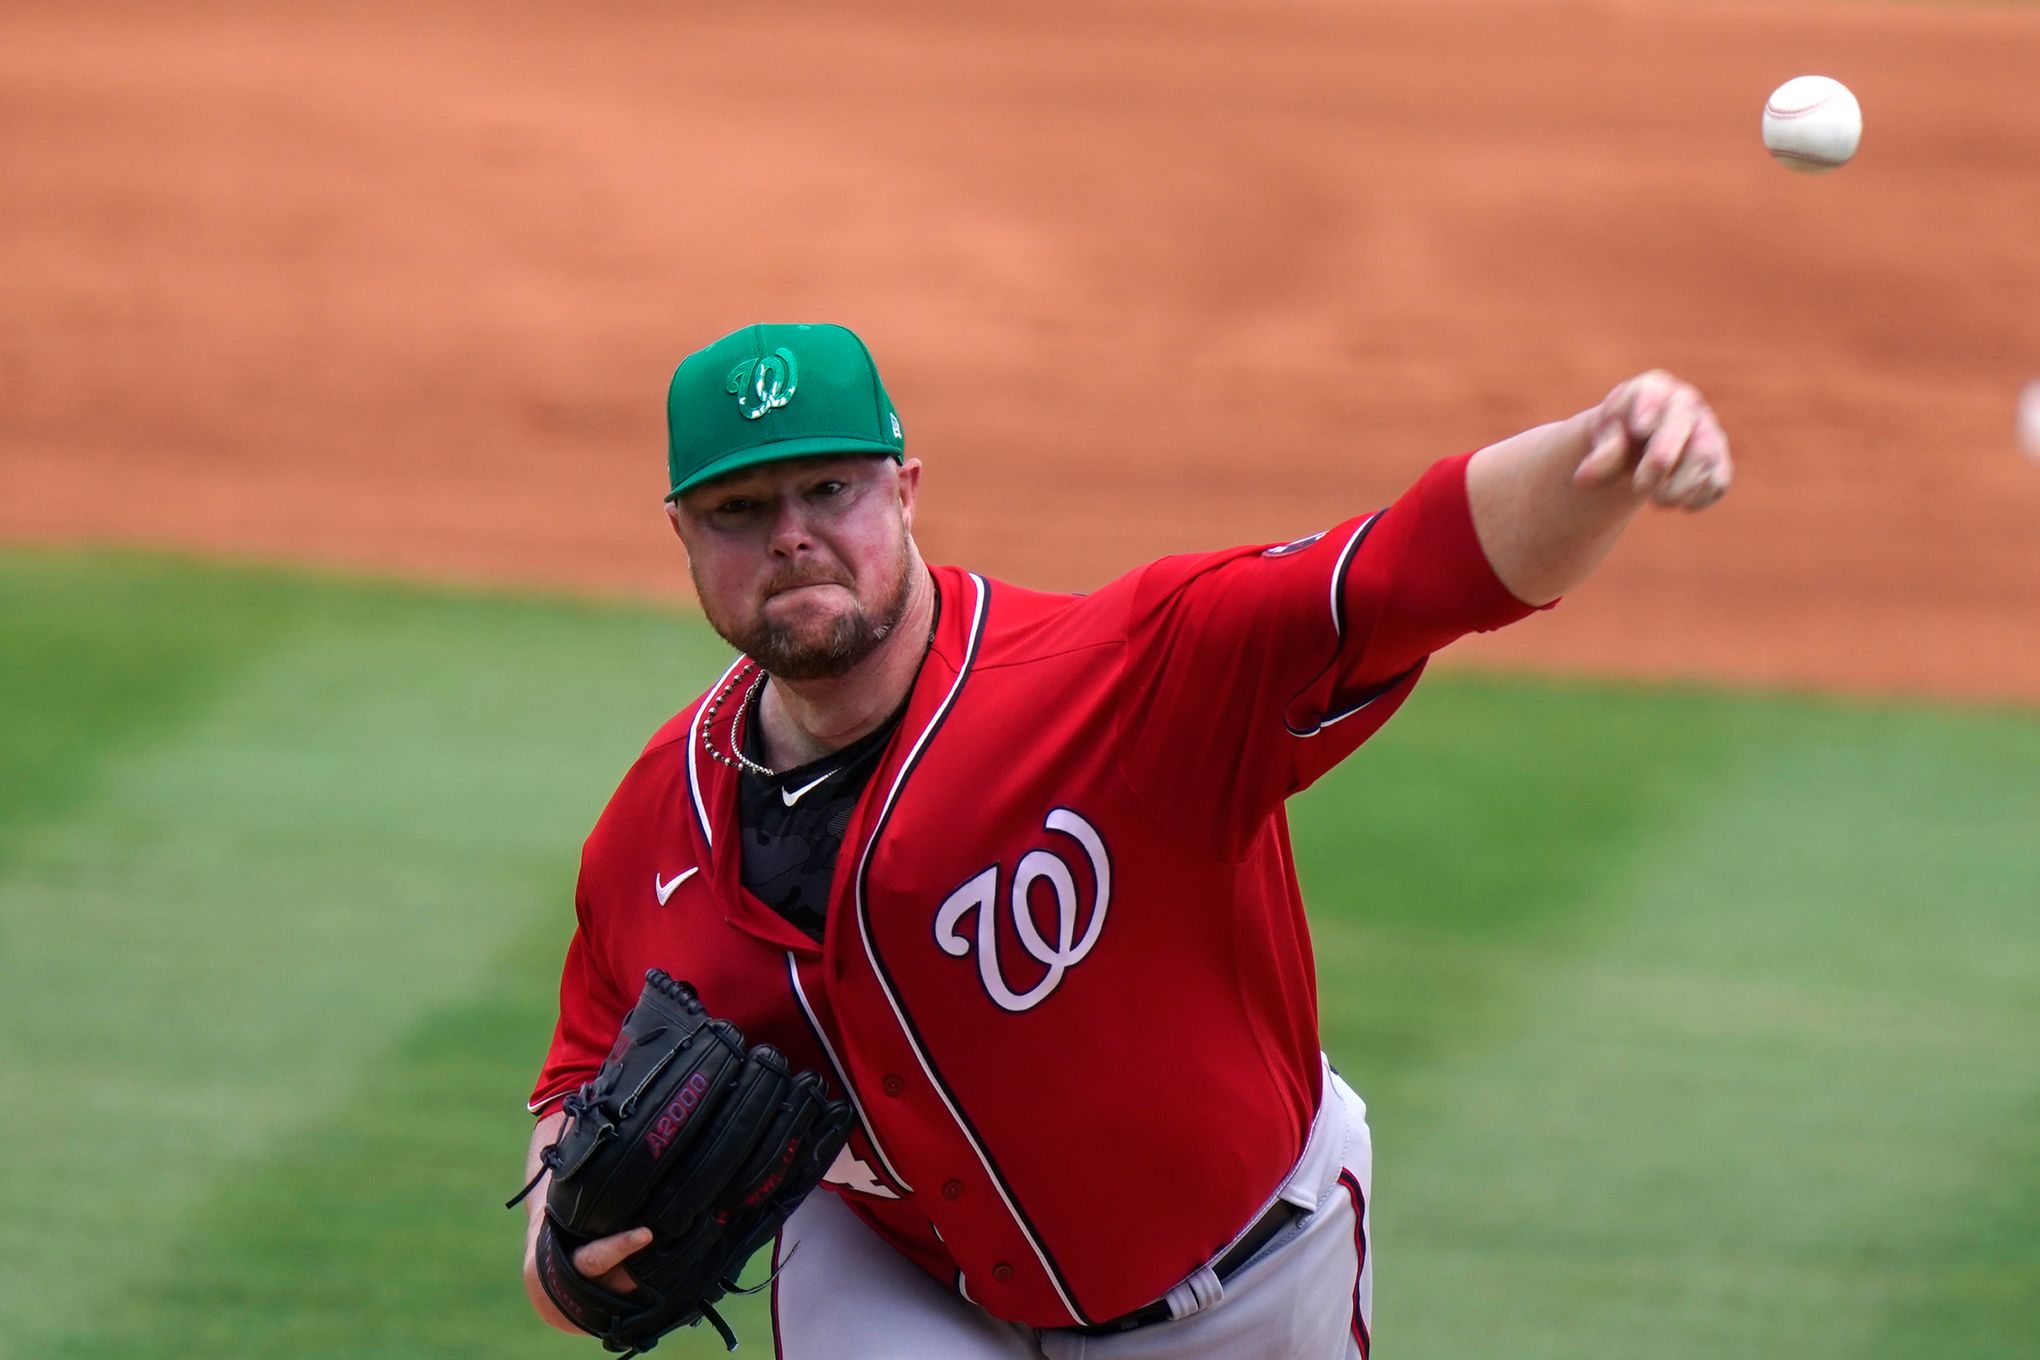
(399, 286)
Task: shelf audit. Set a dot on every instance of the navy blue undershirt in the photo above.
(790, 847)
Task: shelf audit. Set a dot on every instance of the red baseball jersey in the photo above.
(1066, 977)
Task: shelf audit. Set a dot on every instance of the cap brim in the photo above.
(812, 447)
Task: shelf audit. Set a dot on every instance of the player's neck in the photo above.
(804, 720)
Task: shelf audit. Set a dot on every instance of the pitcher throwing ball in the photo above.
(1010, 870)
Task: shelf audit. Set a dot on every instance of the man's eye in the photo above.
(832, 487)
(736, 507)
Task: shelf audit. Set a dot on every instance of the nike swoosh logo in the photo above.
(665, 890)
(793, 796)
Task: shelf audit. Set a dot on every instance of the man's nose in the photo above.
(790, 526)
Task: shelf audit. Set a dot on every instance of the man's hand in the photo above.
(1663, 434)
(1549, 503)
(602, 1260)
(700, 1140)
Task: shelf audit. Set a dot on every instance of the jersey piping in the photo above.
(1338, 593)
(536, 1105)
(1351, 1185)
(1028, 1231)
(1339, 576)
(871, 1134)
(1367, 699)
(693, 770)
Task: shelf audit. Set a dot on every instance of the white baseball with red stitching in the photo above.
(1812, 124)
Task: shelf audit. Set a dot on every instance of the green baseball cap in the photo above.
(770, 392)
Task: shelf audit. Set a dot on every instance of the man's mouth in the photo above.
(803, 585)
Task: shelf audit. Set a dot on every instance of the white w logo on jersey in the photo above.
(1058, 955)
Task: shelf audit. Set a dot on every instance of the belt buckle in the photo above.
(1264, 1230)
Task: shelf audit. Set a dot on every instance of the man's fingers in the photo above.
(1605, 460)
(1703, 455)
(1678, 489)
(1663, 430)
(1667, 441)
(1704, 473)
(1649, 396)
(596, 1259)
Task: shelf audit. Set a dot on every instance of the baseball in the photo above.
(1812, 124)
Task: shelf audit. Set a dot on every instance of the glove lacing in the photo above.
(574, 1106)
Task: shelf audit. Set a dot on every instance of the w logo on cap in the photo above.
(762, 384)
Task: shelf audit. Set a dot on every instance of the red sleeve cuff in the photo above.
(1422, 578)
(1454, 586)
(543, 1105)
(1489, 604)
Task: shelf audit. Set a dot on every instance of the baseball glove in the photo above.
(690, 1132)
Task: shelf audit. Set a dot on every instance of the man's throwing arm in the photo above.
(1549, 503)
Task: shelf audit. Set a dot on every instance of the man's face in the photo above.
(806, 565)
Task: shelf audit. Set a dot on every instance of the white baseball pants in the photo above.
(843, 1294)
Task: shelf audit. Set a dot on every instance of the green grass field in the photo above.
(1693, 1024)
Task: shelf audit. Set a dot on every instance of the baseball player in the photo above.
(1012, 868)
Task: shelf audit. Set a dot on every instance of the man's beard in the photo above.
(833, 649)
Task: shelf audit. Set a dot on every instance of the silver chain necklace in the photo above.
(736, 746)
(736, 759)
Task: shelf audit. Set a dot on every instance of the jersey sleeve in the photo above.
(591, 1012)
(1251, 672)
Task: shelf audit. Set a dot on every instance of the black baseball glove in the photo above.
(687, 1131)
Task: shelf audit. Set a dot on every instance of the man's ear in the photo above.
(909, 483)
(673, 518)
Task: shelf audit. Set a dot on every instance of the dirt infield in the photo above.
(399, 286)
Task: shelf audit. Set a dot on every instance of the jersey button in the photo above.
(1002, 1272)
(893, 1086)
(951, 1189)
